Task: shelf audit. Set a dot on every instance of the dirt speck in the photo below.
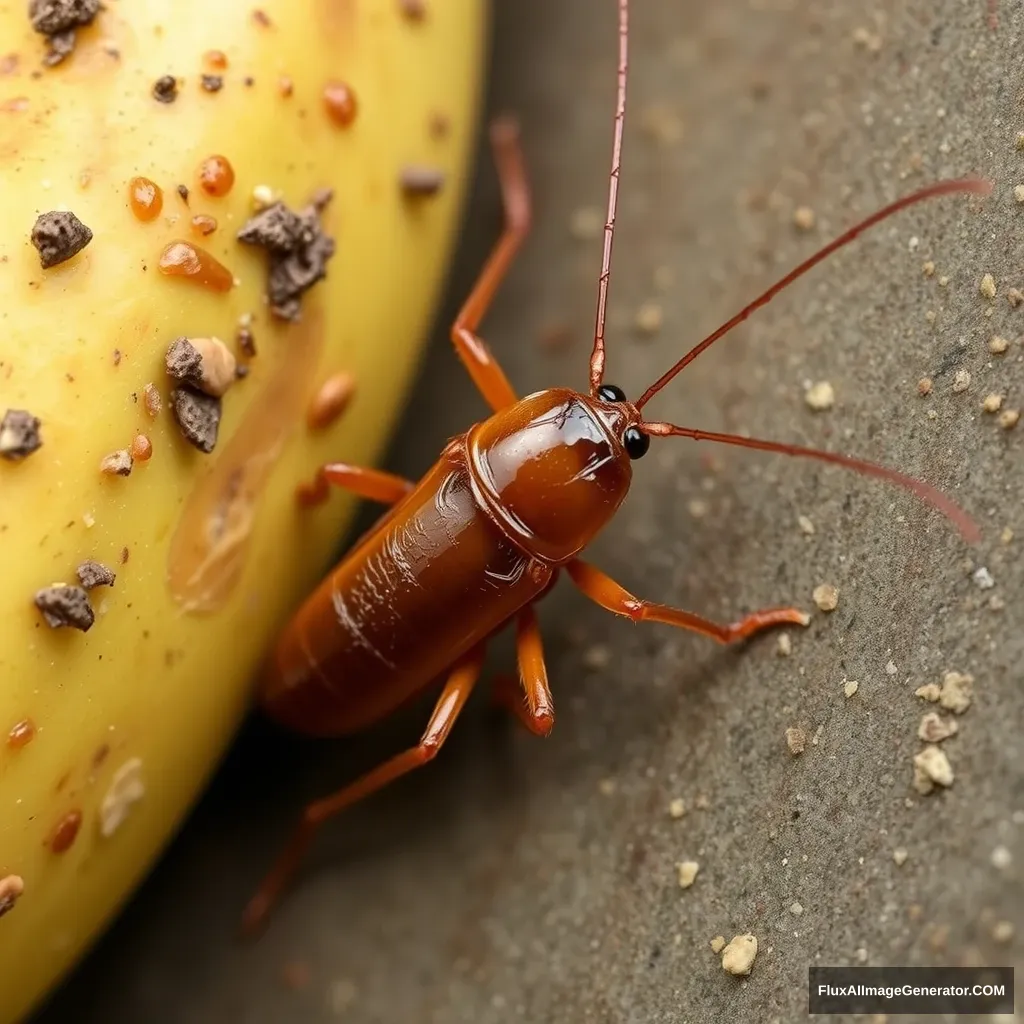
(784, 645)
(64, 605)
(717, 944)
(850, 687)
(796, 740)
(992, 403)
(198, 417)
(676, 808)
(117, 463)
(165, 89)
(961, 380)
(58, 235)
(899, 856)
(649, 318)
(94, 574)
(19, 435)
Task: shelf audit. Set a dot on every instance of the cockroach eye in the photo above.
(636, 442)
(610, 393)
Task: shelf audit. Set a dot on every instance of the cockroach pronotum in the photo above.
(508, 506)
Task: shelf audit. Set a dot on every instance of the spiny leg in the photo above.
(452, 700)
(374, 484)
(537, 713)
(487, 374)
(603, 590)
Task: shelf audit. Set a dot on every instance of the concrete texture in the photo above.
(521, 879)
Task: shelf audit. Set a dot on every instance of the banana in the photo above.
(171, 369)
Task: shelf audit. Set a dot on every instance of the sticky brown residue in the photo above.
(330, 401)
(21, 734)
(216, 59)
(189, 262)
(340, 103)
(11, 889)
(64, 835)
(216, 176)
(145, 198)
(209, 547)
(142, 448)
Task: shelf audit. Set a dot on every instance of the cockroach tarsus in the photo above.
(509, 505)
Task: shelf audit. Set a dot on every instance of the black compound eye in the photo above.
(636, 442)
(610, 393)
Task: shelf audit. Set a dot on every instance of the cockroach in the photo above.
(507, 508)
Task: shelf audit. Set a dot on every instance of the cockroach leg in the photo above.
(603, 590)
(537, 712)
(487, 374)
(452, 700)
(373, 484)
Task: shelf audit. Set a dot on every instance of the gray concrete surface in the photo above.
(525, 880)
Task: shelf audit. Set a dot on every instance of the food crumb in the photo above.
(957, 692)
(987, 287)
(330, 401)
(784, 645)
(961, 380)
(924, 386)
(717, 944)
(211, 83)
(826, 597)
(899, 856)
(126, 788)
(850, 687)
(796, 740)
(206, 363)
(1014, 297)
(997, 345)
(929, 692)
(165, 89)
(198, 417)
(739, 955)
(649, 318)
(1001, 858)
(806, 525)
(931, 768)
(1002, 931)
(607, 787)
(676, 808)
(928, 268)
(687, 873)
(796, 908)
(992, 403)
(803, 218)
(11, 889)
(820, 396)
(697, 507)
(597, 657)
(1018, 193)
(19, 435)
(58, 235)
(934, 728)
(417, 181)
(64, 605)
(983, 579)
(1009, 418)
(94, 574)
(117, 463)
(586, 224)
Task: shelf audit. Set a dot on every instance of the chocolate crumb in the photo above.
(298, 252)
(94, 574)
(212, 83)
(19, 434)
(248, 81)
(421, 181)
(183, 361)
(57, 20)
(165, 89)
(261, 18)
(59, 235)
(183, 192)
(198, 416)
(64, 605)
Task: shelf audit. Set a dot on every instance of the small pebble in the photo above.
(820, 396)
(94, 574)
(784, 645)
(738, 957)
(198, 417)
(19, 435)
(806, 526)
(803, 218)
(961, 381)
(928, 268)
(1014, 297)
(826, 597)
(717, 944)
(796, 740)
(1009, 418)
(676, 808)
(924, 386)
(796, 909)
(899, 856)
(983, 579)
(992, 403)
(957, 692)
(58, 236)
(687, 871)
(850, 687)
(997, 345)
(65, 605)
(988, 286)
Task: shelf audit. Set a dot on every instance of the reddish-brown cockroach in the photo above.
(508, 506)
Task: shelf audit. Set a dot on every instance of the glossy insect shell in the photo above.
(478, 538)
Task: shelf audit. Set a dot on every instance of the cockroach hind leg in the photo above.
(373, 484)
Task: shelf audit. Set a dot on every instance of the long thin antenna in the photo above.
(977, 185)
(597, 356)
(925, 492)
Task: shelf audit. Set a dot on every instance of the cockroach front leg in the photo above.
(478, 359)
(453, 698)
(603, 590)
(537, 712)
(374, 484)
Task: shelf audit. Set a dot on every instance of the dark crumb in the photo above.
(321, 198)
(212, 83)
(117, 357)
(165, 89)
(248, 81)
(19, 434)
(94, 574)
(65, 832)
(59, 235)
(421, 181)
(241, 370)
(439, 126)
(298, 251)
(198, 416)
(261, 18)
(246, 342)
(184, 362)
(183, 192)
(57, 20)
(64, 605)
(414, 10)
(124, 559)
